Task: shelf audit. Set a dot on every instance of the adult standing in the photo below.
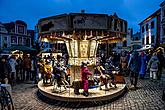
(153, 66)
(143, 65)
(162, 61)
(13, 63)
(5, 71)
(123, 63)
(34, 69)
(134, 66)
(26, 67)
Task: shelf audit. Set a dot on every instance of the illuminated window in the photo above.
(152, 24)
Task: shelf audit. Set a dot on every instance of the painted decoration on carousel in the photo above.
(93, 48)
(54, 24)
(74, 48)
(84, 48)
(90, 22)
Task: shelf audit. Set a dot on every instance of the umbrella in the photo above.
(20, 48)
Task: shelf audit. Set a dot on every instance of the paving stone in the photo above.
(146, 97)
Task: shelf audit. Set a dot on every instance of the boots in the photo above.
(85, 93)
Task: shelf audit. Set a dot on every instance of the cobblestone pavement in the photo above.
(146, 97)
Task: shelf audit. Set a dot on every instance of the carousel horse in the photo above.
(105, 78)
(60, 77)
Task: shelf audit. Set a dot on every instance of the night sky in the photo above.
(30, 11)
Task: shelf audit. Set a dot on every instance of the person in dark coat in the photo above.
(143, 65)
(161, 59)
(134, 66)
(5, 71)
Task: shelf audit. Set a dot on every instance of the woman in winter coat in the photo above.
(143, 65)
(153, 65)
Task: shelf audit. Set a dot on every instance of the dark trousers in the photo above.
(133, 78)
(159, 73)
(26, 73)
(34, 75)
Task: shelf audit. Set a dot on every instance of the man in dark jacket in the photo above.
(5, 70)
(162, 61)
(134, 66)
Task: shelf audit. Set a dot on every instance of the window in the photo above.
(147, 40)
(152, 24)
(142, 29)
(115, 25)
(21, 29)
(146, 27)
(163, 31)
(121, 26)
(143, 41)
(164, 13)
(20, 40)
(152, 38)
(13, 39)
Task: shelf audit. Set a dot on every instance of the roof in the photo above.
(162, 4)
(151, 16)
(87, 14)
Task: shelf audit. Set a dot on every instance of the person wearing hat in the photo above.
(84, 76)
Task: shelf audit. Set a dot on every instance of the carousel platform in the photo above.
(95, 94)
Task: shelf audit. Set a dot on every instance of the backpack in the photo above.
(155, 64)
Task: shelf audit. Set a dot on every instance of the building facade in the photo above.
(150, 30)
(162, 34)
(4, 37)
(18, 34)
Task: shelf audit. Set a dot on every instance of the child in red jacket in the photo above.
(84, 76)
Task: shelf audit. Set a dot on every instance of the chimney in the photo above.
(82, 11)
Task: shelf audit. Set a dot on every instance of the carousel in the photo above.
(82, 47)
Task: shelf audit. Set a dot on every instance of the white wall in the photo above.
(150, 31)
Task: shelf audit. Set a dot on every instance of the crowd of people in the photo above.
(54, 70)
(18, 69)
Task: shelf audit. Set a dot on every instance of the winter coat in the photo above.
(13, 64)
(153, 63)
(134, 62)
(5, 70)
(84, 73)
(143, 65)
(27, 63)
